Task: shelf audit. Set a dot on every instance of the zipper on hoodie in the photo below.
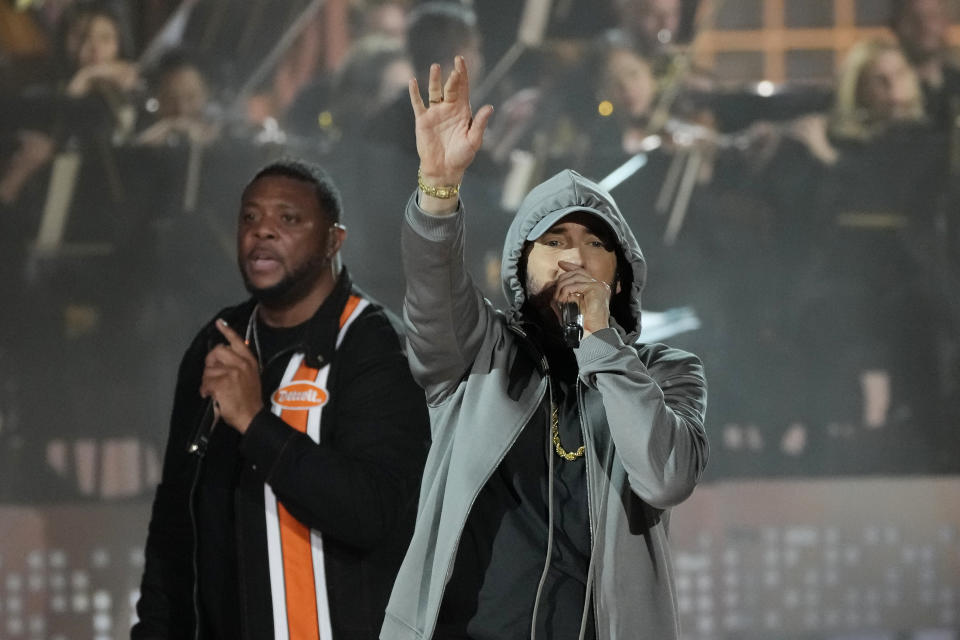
(513, 441)
(583, 435)
(546, 376)
(545, 365)
(586, 459)
(548, 560)
(590, 524)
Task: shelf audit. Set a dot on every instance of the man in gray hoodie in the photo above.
(546, 497)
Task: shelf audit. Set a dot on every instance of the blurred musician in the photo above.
(95, 72)
(435, 31)
(374, 72)
(856, 193)
(921, 28)
(183, 106)
(93, 48)
(650, 25)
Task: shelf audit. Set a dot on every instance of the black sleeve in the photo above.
(355, 485)
(165, 608)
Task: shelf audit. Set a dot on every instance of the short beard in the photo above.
(538, 308)
(292, 288)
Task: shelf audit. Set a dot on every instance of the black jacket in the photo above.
(206, 547)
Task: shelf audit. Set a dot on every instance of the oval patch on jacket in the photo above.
(300, 395)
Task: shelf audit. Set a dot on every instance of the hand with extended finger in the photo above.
(231, 376)
(448, 134)
(592, 295)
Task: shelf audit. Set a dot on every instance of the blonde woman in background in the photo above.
(856, 193)
(876, 89)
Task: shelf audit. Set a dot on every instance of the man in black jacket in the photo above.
(291, 519)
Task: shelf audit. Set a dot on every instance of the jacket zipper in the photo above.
(536, 406)
(241, 573)
(583, 434)
(193, 529)
(590, 528)
(586, 458)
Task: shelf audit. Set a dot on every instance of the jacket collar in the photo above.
(321, 334)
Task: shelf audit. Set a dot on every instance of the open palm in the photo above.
(448, 135)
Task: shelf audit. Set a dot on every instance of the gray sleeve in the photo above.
(657, 425)
(445, 316)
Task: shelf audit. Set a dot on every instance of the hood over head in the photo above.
(548, 202)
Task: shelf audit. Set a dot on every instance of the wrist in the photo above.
(441, 187)
(439, 178)
(243, 422)
(590, 326)
(438, 195)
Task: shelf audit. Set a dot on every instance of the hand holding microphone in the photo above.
(231, 383)
(583, 303)
(571, 323)
(204, 428)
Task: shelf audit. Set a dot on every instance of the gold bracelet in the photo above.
(443, 193)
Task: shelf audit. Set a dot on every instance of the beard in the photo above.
(293, 287)
(538, 307)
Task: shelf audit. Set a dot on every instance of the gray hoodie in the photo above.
(642, 406)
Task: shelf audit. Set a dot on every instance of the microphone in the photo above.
(201, 433)
(571, 322)
(211, 414)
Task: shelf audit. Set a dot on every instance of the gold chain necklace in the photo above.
(555, 427)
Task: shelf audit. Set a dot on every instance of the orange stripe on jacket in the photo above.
(298, 570)
(295, 543)
(352, 303)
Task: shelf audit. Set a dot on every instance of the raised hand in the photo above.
(231, 377)
(448, 134)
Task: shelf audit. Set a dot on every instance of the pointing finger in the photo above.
(237, 344)
(232, 336)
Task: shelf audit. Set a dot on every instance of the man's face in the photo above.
(580, 238)
(284, 240)
(922, 28)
